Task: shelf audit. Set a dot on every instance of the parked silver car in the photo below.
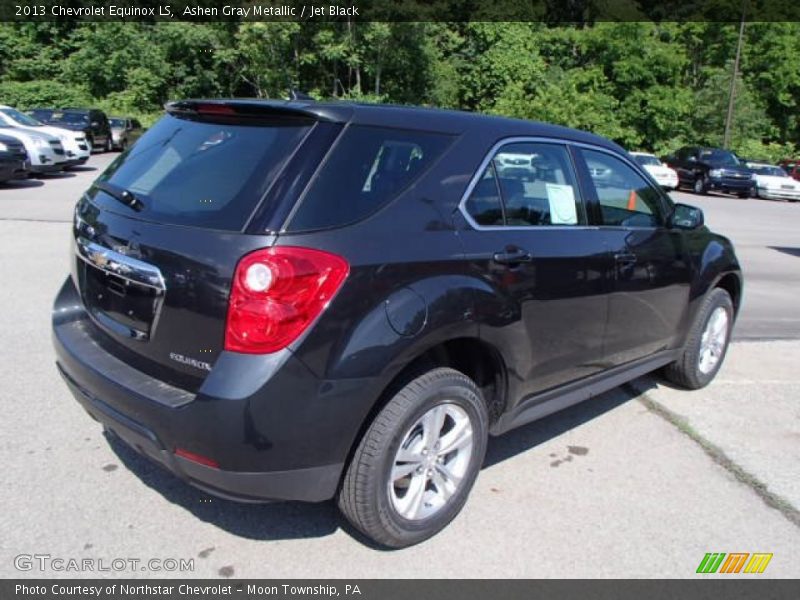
(75, 146)
(124, 132)
(45, 151)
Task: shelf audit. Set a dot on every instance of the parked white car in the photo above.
(773, 183)
(44, 150)
(75, 145)
(666, 177)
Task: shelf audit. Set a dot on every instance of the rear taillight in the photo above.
(215, 109)
(277, 293)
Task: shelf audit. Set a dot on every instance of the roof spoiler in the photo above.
(241, 109)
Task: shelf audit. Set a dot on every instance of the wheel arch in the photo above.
(470, 355)
(732, 283)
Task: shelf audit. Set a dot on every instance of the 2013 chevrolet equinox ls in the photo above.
(301, 301)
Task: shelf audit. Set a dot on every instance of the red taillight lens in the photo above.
(198, 458)
(215, 109)
(277, 293)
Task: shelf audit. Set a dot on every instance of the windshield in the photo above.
(42, 114)
(69, 117)
(769, 170)
(720, 157)
(202, 174)
(20, 118)
(647, 159)
(117, 123)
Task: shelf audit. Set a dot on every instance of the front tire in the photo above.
(416, 464)
(707, 344)
(700, 185)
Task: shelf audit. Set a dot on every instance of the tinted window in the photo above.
(200, 173)
(483, 204)
(625, 198)
(365, 170)
(536, 185)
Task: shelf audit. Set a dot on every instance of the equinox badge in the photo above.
(192, 362)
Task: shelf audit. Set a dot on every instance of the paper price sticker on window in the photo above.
(562, 204)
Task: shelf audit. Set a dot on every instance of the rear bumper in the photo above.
(276, 431)
(310, 484)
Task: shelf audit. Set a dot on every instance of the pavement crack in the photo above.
(716, 454)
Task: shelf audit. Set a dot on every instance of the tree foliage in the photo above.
(646, 85)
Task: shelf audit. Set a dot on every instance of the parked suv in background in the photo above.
(711, 169)
(45, 152)
(75, 147)
(124, 132)
(291, 300)
(92, 122)
(14, 162)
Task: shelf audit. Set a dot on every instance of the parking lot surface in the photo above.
(640, 482)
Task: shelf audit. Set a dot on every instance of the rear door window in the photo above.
(366, 169)
(536, 184)
(200, 173)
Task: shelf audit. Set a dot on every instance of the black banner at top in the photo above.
(549, 11)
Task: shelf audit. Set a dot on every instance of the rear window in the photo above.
(202, 174)
(366, 169)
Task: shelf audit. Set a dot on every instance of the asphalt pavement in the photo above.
(640, 482)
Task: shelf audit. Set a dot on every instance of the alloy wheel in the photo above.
(713, 340)
(431, 462)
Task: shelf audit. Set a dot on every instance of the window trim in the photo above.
(489, 157)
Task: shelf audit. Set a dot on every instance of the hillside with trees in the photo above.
(646, 85)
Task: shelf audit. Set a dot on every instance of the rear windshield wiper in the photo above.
(127, 197)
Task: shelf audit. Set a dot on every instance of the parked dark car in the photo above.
(301, 301)
(124, 132)
(91, 121)
(792, 167)
(711, 169)
(14, 163)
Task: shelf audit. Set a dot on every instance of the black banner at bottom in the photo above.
(401, 589)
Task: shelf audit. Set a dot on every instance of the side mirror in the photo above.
(692, 159)
(686, 217)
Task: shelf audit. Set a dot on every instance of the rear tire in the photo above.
(706, 345)
(416, 464)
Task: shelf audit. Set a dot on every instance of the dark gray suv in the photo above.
(302, 301)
